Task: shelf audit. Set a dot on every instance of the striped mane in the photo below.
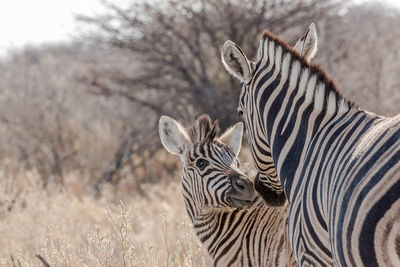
(204, 130)
(315, 69)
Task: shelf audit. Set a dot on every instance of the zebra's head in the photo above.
(253, 77)
(211, 177)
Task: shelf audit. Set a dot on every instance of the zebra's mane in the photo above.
(204, 130)
(316, 69)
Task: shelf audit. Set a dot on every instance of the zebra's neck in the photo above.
(256, 236)
(296, 100)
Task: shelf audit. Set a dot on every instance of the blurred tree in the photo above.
(177, 48)
(361, 50)
(48, 121)
(92, 109)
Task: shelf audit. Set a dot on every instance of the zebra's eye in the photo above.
(201, 163)
(240, 114)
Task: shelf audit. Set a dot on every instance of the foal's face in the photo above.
(212, 178)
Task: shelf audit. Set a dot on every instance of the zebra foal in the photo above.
(235, 226)
(338, 165)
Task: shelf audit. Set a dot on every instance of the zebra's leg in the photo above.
(271, 197)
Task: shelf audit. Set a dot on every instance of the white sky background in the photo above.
(24, 22)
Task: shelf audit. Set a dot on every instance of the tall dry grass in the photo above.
(69, 227)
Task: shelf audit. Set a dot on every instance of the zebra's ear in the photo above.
(306, 46)
(233, 137)
(236, 63)
(173, 136)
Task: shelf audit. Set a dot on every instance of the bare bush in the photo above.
(176, 45)
(93, 109)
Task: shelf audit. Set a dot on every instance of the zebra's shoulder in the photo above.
(385, 131)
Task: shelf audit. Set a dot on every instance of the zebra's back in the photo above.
(350, 191)
(370, 200)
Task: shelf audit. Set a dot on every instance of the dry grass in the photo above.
(69, 227)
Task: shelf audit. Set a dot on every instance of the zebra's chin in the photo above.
(240, 199)
(240, 203)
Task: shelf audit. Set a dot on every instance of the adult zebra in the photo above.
(337, 164)
(236, 226)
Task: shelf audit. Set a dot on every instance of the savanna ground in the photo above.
(68, 226)
(84, 180)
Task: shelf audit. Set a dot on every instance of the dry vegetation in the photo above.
(68, 227)
(83, 178)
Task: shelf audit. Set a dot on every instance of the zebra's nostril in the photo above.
(240, 185)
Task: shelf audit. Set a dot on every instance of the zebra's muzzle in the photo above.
(241, 192)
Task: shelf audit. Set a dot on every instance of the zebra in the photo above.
(235, 225)
(337, 164)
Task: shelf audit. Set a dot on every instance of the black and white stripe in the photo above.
(235, 226)
(338, 165)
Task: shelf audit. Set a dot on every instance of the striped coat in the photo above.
(234, 224)
(338, 165)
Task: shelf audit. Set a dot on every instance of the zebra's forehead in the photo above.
(205, 143)
(203, 148)
(213, 150)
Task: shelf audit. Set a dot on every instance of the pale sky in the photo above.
(25, 22)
